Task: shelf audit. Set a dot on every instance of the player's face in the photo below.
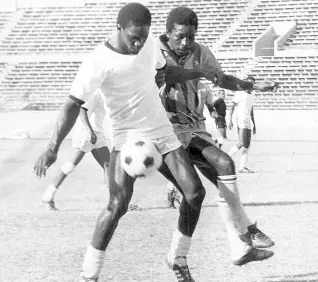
(134, 37)
(181, 39)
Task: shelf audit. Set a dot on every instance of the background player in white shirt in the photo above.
(124, 69)
(87, 137)
(243, 103)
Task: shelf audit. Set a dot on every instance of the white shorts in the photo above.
(164, 144)
(244, 124)
(81, 141)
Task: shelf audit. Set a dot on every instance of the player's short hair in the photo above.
(134, 13)
(181, 16)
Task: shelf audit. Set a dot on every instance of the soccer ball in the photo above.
(140, 158)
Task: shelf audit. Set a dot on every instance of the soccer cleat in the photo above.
(83, 279)
(259, 239)
(253, 255)
(181, 270)
(49, 205)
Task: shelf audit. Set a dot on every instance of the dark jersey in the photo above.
(220, 107)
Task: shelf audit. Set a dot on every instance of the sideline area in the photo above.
(271, 125)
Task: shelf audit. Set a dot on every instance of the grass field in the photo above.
(37, 245)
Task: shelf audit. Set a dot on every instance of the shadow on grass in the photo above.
(304, 277)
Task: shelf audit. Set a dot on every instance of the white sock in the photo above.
(49, 193)
(233, 151)
(180, 247)
(93, 262)
(228, 187)
(238, 247)
(243, 158)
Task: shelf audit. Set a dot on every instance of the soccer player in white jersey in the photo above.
(124, 69)
(243, 102)
(87, 137)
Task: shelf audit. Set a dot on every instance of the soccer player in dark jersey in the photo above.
(183, 105)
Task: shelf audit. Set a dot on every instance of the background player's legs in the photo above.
(171, 191)
(66, 169)
(177, 168)
(221, 139)
(238, 145)
(246, 135)
(102, 156)
(120, 190)
(219, 168)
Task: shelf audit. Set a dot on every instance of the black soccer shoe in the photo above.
(181, 270)
(253, 255)
(259, 239)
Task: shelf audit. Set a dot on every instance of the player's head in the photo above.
(133, 24)
(221, 94)
(181, 28)
(250, 79)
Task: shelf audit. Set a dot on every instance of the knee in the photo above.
(245, 150)
(118, 207)
(239, 145)
(196, 197)
(226, 165)
(68, 168)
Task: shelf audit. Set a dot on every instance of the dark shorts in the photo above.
(197, 156)
(245, 136)
(220, 122)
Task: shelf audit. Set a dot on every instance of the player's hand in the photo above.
(269, 85)
(44, 162)
(93, 138)
(230, 125)
(254, 130)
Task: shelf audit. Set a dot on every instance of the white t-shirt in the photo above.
(244, 104)
(128, 85)
(95, 111)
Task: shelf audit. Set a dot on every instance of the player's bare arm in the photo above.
(84, 118)
(253, 120)
(64, 124)
(233, 83)
(177, 74)
(173, 74)
(232, 108)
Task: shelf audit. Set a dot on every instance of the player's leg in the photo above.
(102, 156)
(170, 195)
(120, 190)
(213, 162)
(65, 170)
(238, 145)
(178, 169)
(246, 135)
(222, 137)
